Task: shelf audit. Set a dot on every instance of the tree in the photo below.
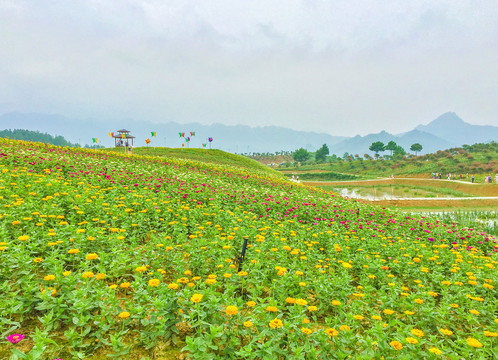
(301, 155)
(391, 145)
(321, 154)
(399, 151)
(377, 147)
(416, 147)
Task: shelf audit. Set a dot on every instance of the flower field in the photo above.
(105, 254)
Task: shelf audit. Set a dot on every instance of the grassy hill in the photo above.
(478, 159)
(105, 254)
(209, 156)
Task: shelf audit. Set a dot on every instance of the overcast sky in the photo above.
(341, 67)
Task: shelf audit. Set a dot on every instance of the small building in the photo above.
(123, 138)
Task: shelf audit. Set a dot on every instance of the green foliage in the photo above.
(377, 147)
(416, 147)
(301, 155)
(391, 145)
(321, 154)
(28, 135)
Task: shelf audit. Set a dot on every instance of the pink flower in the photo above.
(15, 338)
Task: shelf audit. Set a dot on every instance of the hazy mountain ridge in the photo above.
(446, 131)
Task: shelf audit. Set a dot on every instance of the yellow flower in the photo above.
(232, 310)
(124, 315)
(435, 351)
(49, 277)
(247, 324)
(251, 303)
(87, 274)
(141, 269)
(411, 340)
(419, 301)
(271, 309)
(301, 302)
(37, 260)
(91, 256)
(227, 275)
(154, 282)
(306, 321)
(196, 298)
(23, 237)
(173, 286)
(474, 312)
(396, 345)
(376, 317)
(446, 332)
(331, 332)
(276, 323)
(407, 312)
(417, 332)
(306, 330)
(358, 317)
(347, 265)
(336, 302)
(290, 300)
(490, 334)
(474, 342)
(344, 328)
(302, 284)
(100, 276)
(388, 311)
(312, 308)
(73, 251)
(125, 285)
(66, 273)
(242, 273)
(454, 305)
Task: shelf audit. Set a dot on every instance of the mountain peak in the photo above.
(448, 118)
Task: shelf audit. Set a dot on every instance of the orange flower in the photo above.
(154, 282)
(396, 345)
(232, 310)
(331, 332)
(474, 342)
(91, 256)
(276, 323)
(124, 315)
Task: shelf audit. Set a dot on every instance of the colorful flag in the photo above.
(210, 139)
(204, 145)
(187, 139)
(152, 133)
(111, 134)
(95, 140)
(192, 133)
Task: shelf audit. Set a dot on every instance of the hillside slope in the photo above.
(139, 256)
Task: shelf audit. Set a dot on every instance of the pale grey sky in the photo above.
(341, 67)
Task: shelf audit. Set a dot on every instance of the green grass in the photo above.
(210, 156)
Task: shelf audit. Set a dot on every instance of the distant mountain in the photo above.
(237, 138)
(447, 131)
(457, 132)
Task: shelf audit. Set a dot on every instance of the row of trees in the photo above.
(302, 155)
(378, 146)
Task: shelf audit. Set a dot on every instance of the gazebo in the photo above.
(122, 138)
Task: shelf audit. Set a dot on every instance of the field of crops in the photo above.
(105, 254)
